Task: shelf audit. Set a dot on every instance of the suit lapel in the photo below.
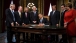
(27, 14)
(18, 14)
(11, 13)
(32, 14)
(62, 13)
(53, 13)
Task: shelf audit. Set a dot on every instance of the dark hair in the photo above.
(69, 5)
(63, 5)
(54, 5)
(40, 13)
(74, 4)
(19, 6)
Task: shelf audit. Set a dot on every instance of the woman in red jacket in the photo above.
(69, 21)
(74, 5)
(74, 12)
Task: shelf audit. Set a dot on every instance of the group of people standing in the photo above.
(68, 16)
(20, 18)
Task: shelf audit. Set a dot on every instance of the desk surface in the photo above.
(34, 26)
(39, 29)
(43, 30)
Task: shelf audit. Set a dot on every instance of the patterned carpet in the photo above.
(3, 38)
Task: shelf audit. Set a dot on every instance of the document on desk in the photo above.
(46, 25)
(34, 25)
(30, 27)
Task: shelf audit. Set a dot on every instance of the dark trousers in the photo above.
(9, 35)
(35, 37)
(32, 36)
(26, 38)
(23, 34)
(54, 38)
(64, 39)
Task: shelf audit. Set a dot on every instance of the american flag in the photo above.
(50, 9)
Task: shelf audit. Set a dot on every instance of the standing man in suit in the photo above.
(19, 16)
(10, 21)
(54, 21)
(25, 16)
(34, 16)
(63, 10)
(19, 20)
(54, 16)
(26, 20)
(34, 20)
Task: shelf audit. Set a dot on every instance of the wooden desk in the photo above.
(44, 30)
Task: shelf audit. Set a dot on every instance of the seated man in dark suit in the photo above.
(42, 21)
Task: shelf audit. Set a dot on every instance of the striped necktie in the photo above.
(13, 16)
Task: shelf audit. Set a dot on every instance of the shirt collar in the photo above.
(25, 12)
(34, 11)
(63, 10)
(19, 11)
(54, 11)
(42, 18)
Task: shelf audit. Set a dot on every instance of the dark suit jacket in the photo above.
(45, 21)
(54, 19)
(9, 17)
(34, 18)
(25, 19)
(62, 18)
(18, 18)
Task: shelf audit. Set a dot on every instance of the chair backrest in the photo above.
(46, 17)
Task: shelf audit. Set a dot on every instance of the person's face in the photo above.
(62, 8)
(67, 8)
(53, 8)
(34, 8)
(13, 7)
(26, 9)
(20, 9)
(40, 16)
